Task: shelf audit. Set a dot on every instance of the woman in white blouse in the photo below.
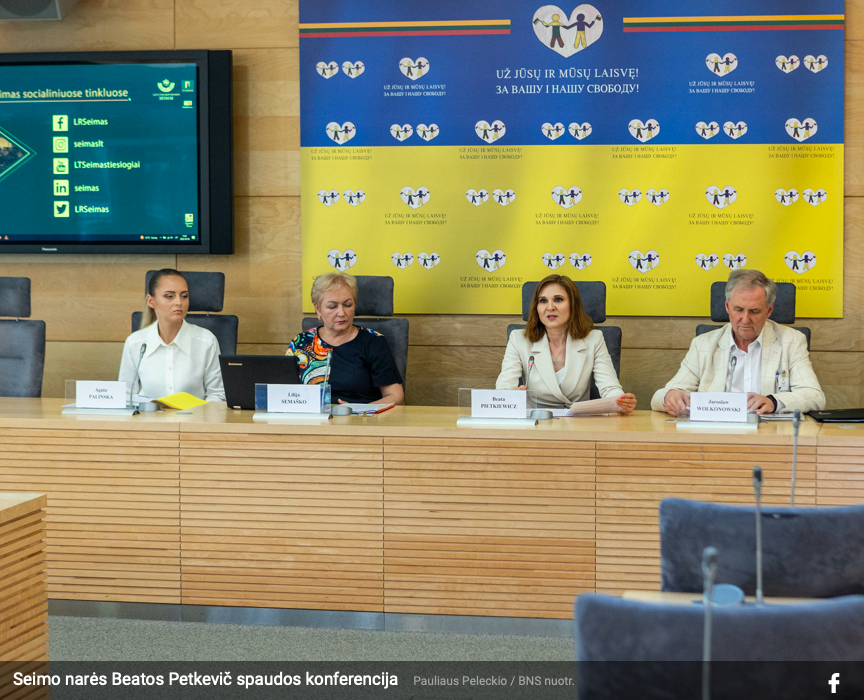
(567, 351)
(175, 356)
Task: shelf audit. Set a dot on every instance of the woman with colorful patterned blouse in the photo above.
(361, 366)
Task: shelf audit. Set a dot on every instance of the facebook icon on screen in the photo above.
(61, 122)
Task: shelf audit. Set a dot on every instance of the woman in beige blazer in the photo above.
(566, 350)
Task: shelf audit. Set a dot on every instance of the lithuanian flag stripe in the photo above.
(747, 23)
(385, 29)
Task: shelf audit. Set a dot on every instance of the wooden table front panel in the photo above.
(23, 584)
(632, 479)
(487, 527)
(113, 524)
(282, 521)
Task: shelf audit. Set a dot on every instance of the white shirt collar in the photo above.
(183, 340)
(755, 343)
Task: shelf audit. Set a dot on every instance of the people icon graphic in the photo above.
(328, 198)
(567, 35)
(580, 261)
(402, 261)
(352, 70)
(503, 197)
(354, 198)
(553, 262)
(429, 261)
(643, 131)
(415, 198)
(490, 131)
(581, 25)
(630, 197)
(721, 65)
(477, 197)
(341, 133)
(342, 261)
(786, 198)
(579, 131)
(490, 261)
(327, 70)
(707, 262)
(644, 262)
(734, 262)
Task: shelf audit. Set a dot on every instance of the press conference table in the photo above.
(398, 513)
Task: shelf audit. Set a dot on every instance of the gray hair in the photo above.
(751, 279)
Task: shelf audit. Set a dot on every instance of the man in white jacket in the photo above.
(750, 354)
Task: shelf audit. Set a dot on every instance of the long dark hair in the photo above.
(148, 316)
(580, 324)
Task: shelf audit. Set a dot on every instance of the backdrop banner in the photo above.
(466, 148)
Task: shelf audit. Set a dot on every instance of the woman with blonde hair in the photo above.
(174, 355)
(567, 351)
(359, 362)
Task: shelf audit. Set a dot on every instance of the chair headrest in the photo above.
(206, 289)
(15, 296)
(784, 305)
(593, 299)
(374, 295)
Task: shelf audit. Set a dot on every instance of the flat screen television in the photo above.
(116, 152)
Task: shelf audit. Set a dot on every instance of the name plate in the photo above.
(719, 406)
(293, 398)
(101, 394)
(498, 404)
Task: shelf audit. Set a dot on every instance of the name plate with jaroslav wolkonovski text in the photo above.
(101, 394)
(498, 404)
(293, 398)
(718, 406)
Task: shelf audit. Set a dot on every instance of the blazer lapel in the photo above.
(543, 365)
(577, 353)
(721, 361)
(770, 358)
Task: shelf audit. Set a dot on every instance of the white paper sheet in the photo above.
(597, 407)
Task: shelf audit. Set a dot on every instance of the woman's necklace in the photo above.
(558, 360)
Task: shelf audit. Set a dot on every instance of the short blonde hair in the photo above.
(330, 281)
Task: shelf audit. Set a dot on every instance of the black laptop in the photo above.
(240, 374)
(839, 415)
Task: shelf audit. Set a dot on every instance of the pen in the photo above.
(776, 380)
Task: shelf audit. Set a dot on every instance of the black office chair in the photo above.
(653, 635)
(374, 300)
(206, 293)
(22, 343)
(806, 552)
(594, 302)
(784, 309)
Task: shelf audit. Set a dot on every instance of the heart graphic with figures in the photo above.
(568, 35)
(429, 260)
(721, 197)
(579, 131)
(352, 70)
(503, 197)
(402, 260)
(644, 262)
(643, 130)
(553, 131)
(414, 68)
(786, 197)
(800, 262)
(721, 65)
(801, 129)
(815, 63)
(400, 133)
(477, 197)
(735, 262)
(328, 198)
(490, 261)
(787, 63)
(341, 134)
(415, 198)
(342, 261)
(327, 70)
(553, 262)
(566, 197)
(630, 197)
(707, 262)
(707, 130)
(734, 130)
(580, 260)
(490, 131)
(657, 197)
(427, 133)
(354, 198)
(814, 197)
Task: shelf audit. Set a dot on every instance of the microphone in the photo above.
(757, 490)
(796, 422)
(137, 367)
(709, 572)
(732, 362)
(530, 367)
